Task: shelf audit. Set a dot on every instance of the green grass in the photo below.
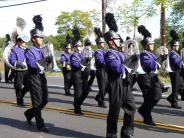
(165, 79)
(57, 74)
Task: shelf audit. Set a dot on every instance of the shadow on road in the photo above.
(58, 131)
(159, 104)
(170, 112)
(69, 102)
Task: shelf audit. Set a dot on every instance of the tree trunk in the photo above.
(134, 32)
(104, 7)
(163, 25)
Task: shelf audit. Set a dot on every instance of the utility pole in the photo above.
(104, 7)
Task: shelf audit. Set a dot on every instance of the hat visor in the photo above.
(37, 35)
(24, 38)
(150, 43)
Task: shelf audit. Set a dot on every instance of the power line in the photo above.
(22, 3)
(6, 0)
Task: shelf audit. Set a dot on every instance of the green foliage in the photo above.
(165, 3)
(67, 20)
(169, 27)
(176, 19)
(168, 39)
(179, 7)
(2, 44)
(131, 14)
(58, 41)
(1, 53)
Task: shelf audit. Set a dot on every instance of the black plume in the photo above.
(37, 20)
(68, 39)
(98, 32)
(142, 30)
(8, 38)
(76, 34)
(174, 35)
(121, 39)
(111, 22)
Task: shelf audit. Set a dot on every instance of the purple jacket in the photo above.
(17, 55)
(114, 61)
(175, 60)
(33, 54)
(148, 61)
(65, 57)
(75, 60)
(99, 58)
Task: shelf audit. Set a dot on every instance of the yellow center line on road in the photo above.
(96, 115)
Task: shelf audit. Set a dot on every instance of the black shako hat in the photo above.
(175, 38)
(77, 37)
(146, 36)
(113, 28)
(99, 36)
(38, 30)
(68, 41)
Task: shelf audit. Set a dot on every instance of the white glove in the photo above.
(128, 69)
(159, 66)
(64, 64)
(41, 68)
(123, 76)
(83, 67)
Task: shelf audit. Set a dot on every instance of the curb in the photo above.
(136, 93)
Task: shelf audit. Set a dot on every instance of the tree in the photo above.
(164, 4)
(130, 14)
(68, 20)
(176, 19)
(58, 41)
(2, 45)
(168, 38)
(106, 4)
(179, 7)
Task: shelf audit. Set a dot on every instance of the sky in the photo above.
(50, 9)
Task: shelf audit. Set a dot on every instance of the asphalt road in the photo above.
(63, 123)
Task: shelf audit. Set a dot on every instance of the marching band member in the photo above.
(182, 70)
(176, 64)
(92, 73)
(119, 93)
(17, 59)
(0, 72)
(66, 68)
(101, 73)
(148, 82)
(76, 60)
(88, 57)
(7, 69)
(92, 67)
(37, 63)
